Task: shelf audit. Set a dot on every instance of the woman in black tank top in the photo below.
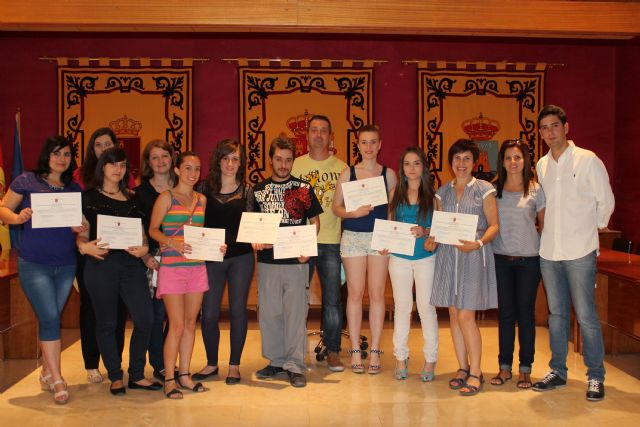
(362, 265)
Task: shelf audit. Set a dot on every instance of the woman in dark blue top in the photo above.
(46, 256)
(362, 264)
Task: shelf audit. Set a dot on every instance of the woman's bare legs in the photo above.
(377, 271)
(458, 342)
(175, 307)
(356, 270)
(472, 341)
(192, 304)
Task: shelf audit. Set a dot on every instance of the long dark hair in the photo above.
(426, 192)
(51, 145)
(214, 179)
(90, 160)
(527, 172)
(112, 155)
(147, 172)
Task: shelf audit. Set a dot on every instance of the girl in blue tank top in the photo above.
(412, 201)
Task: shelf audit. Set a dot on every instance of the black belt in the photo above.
(513, 258)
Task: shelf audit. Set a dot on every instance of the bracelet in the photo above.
(480, 243)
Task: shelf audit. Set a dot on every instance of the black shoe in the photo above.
(269, 371)
(159, 374)
(232, 380)
(202, 377)
(595, 390)
(151, 387)
(549, 382)
(297, 380)
(119, 391)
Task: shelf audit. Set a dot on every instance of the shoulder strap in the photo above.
(195, 205)
(352, 173)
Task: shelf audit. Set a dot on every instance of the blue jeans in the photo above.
(47, 289)
(328, 265)
(569, 282)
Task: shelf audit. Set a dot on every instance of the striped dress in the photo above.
(465, 280)
(175, 219)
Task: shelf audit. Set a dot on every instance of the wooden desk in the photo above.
(617, 299)
(18, 326)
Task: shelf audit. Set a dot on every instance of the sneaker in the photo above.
(269, 371)
(297, 380)
(595, 390)
(333, 362)
(549, 382)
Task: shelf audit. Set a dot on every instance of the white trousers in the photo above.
(403, 274)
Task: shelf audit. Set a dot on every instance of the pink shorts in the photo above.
(182, 280)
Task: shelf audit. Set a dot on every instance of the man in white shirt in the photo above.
(579, 202)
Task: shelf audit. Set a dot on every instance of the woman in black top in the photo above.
(227, 197)
(157, 176)
(110, 274)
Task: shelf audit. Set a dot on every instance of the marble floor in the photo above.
(331, 399)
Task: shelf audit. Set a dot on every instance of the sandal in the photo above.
(174, 393)
(472, 390)
(428, 376)
(60, 397)
(401, 373)
(375, 369)
(45, 385)
(197, 387)
(356, 368)
(94, 376)
(499, 380)
(457, 382)
(524, 383)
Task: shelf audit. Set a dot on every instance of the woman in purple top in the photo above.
(46, 256)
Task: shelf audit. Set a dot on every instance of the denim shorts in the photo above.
(356, 244)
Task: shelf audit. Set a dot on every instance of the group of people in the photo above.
(525, 229)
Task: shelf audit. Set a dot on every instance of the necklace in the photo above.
(102, 190)
(53, 186)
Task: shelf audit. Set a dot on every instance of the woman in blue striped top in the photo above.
(520, 202)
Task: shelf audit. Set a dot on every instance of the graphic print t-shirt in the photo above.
(294, 199)
(323, 176)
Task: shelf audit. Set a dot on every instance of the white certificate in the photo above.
(52, 210)
(449, 227)
(369, 191)
(295, 241)
(119, 232)
(394, 236)
(259, 227)
(205, 243)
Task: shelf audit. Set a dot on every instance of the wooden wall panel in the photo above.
(611, 19)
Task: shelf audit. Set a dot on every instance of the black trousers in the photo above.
(237, 271)
(88, 342)
(518, 279)
(120, 276)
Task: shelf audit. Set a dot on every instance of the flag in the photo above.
(18, 166)
(5, 242)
